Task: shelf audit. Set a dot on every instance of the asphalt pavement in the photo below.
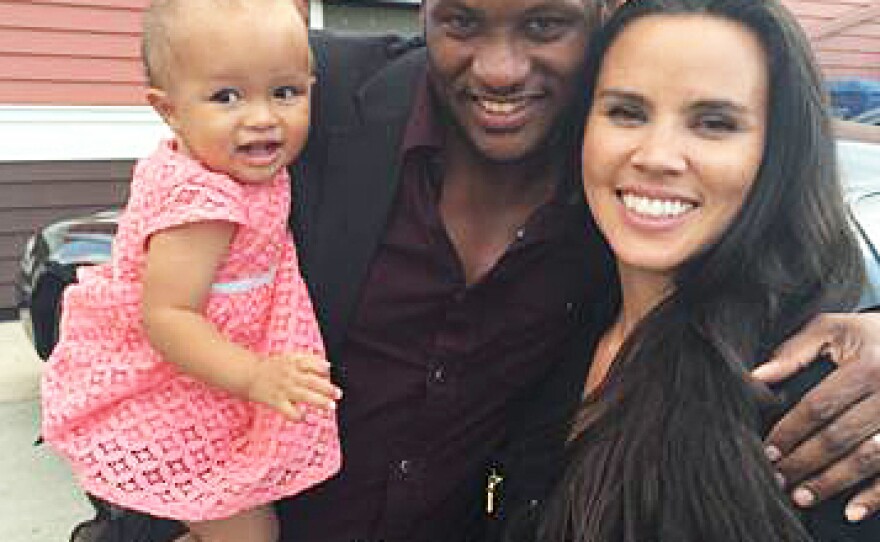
(39, 501)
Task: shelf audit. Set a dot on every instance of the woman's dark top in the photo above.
(825, 522)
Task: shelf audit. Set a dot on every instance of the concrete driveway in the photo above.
(39, 501)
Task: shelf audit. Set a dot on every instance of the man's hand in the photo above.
(831, 439)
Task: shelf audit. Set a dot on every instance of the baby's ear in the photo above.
(162, 104)
(303, 7)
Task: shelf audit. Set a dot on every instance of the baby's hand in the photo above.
(284, 380)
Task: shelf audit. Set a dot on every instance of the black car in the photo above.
(49, 264)
(53, 253)
(871, 116)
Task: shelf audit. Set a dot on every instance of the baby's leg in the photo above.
(255, 525)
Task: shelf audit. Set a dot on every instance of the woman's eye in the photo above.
(226, 96)
(716, 123)
(287, 92)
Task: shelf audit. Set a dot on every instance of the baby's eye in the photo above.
(625, 114)
(226, 96)
(287, 92)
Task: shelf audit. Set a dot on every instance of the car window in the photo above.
(856, 97)
(859, 163)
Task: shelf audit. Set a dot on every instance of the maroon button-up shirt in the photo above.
(432, 364)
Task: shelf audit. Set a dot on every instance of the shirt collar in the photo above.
(424, 128)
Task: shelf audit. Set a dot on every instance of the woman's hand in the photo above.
(830, 440)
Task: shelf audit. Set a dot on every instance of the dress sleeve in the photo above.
(184, 194)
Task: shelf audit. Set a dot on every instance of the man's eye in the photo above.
(287, 92)
(545, 28)
(460, 25)
(226, 96)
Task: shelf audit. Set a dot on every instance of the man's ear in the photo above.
(162, 104)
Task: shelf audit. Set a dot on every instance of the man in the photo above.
(448, 255)
(442, 231)
(452, 263)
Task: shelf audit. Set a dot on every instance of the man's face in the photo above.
(507, 70)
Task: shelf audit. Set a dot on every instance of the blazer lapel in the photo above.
(359, 185)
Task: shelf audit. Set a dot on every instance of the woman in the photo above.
(707, 136)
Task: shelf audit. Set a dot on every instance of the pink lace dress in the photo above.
(139, 433)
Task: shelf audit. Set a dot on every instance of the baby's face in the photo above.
(239, 86)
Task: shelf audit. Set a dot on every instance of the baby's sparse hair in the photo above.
(158, 30)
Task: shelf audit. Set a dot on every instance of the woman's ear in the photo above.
(162, 104)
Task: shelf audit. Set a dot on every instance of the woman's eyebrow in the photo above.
(719, 105)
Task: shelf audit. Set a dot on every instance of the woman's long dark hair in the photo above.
(669, 447)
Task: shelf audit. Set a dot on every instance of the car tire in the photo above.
(46, 307)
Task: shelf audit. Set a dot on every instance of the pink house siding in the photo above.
(87, 51)
(71, 52)
(62, 53)
(845, 34)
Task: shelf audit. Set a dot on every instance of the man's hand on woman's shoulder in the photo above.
(830, 440)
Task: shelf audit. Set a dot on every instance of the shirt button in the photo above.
(404, 466)
(520, 233)
(438, 375)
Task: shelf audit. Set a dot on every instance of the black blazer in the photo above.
(343, 188)
(345, 181)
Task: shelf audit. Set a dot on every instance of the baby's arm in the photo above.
(180, 267)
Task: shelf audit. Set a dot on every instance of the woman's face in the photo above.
(674, 137)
